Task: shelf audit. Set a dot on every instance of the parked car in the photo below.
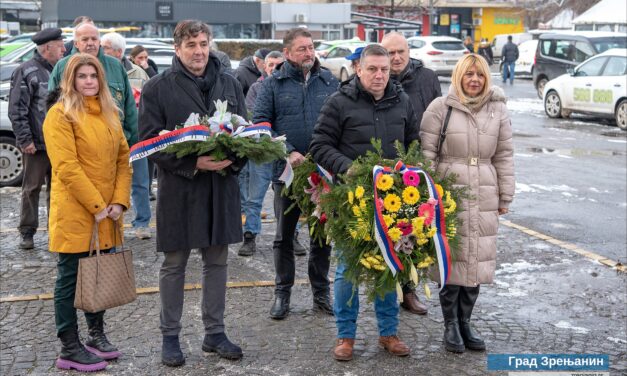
(5, 48)
(336, 62)
(161, 53)
(11, 160)
(558, 52)
(437, 53)
(526, 58)
(501, 39)
(325, 47)
(597, 86)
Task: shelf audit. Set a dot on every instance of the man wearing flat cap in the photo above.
(27, 110)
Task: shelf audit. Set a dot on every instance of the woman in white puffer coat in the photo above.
(477, 147)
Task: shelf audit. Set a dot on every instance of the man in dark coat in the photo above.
(27, 110)
(290, 99)
(509, 54)
(368, 106)
(422, 86)
(251, 68)
(197, 207)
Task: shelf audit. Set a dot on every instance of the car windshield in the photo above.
(448, 46)
(604, 44)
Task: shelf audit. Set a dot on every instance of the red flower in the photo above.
(323, 218)
(427, 211)
(315, 178)
(405, 227)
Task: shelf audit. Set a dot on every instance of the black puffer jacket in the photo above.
(421, 85)
(247, 73)
(350, 118)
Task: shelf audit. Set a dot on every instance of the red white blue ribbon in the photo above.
(381, 229)
(443, 251)
(191, 133)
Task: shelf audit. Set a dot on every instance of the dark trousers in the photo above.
(172, 288)
(36, 173)
(319, 256)
(65, 289)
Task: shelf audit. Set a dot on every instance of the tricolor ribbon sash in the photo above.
(443, 251)
(192, 133)
(380, 229)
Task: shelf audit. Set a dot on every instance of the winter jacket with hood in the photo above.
(350, 118)
(195, 209)
(292, 105)
(421, 85)
(247, 73)
(90, 169)
(478, 149)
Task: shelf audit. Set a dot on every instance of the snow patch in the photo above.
(525, 105)
(553, 188)
(524, 188)
(567, 325)
(523, 155)
(618, 141)
(516, 267)
(616, 340)
(564, 156)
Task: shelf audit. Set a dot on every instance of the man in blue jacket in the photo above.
(291, 100)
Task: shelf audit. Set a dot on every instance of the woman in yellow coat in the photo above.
(91, 181)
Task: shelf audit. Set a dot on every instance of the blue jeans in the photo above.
(508, 70)
(140, 194)
(346, 312)
(253, 188)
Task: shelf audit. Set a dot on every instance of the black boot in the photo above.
(467, 298)
(280, 308)
(97, 342)
(171, 354)
(453, 341)
(323, 304)
(75, 356)
(249, 247)
(219, 343)
(27, 241)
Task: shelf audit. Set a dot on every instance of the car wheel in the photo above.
(553, 105)
(540, 86)
(11, 162)
(343, 75)
(621, 115)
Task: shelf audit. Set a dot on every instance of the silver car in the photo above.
(335, 60)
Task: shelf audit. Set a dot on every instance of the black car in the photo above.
(559, 52)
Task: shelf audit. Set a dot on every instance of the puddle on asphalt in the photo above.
(577, 152)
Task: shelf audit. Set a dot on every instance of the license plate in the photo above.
(451, 62)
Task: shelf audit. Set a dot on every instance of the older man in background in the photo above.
(27, 98)
(114, 45)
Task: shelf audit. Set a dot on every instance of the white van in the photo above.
(501, 39)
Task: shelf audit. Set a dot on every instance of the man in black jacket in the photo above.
(509, 54)
(196, 205)
(250, 69)
(368, 106)
(27, 110)
(422, 86)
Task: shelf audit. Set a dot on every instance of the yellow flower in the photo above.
(417, 223)
(379, 267)
(356, 211)
(362, 204)
(395, 233)
(449, 206)
(440, 190)
(367, 237)
(353, 234)
(365, 263)
(392, 202)
(385, 182)
(359, 191)
(372, 260)
(351, 197)
(431, 232)
(411, 195)
(428, 261)
(422, 241)
(427, 291)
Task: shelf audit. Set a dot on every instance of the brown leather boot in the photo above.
(413, 305)
(394, 345)
(344, 349)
